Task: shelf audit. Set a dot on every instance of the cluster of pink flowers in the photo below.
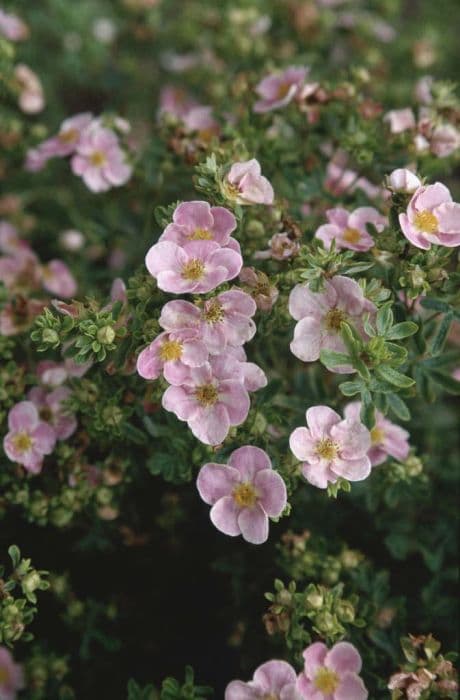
(176, 104)
(320, 315)
(431, 218)
(349, 230)
(95, 150)
(11, 675)
(200, 353)
(22, 272)
(244, 493)
(430, 135)
(37, 423)
(329, 674)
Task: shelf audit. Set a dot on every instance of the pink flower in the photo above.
(403, 180)
(51, 409)
(99, 160)
(243, 494)
(10, 243)
(282, 247)
(20, 271)
(258, 284)
(175, 102)
(12, 27)
(68, 137)
(31, 97)
(444, 140)
(51, 373)
(387, 438)
(29, 438)
(432, 217)
(254, 378)
(320, 315)
(331, 447)
(400, 120)
(211, 399)
(200, 119)
(246, 185)
(198, 221)
(172, 354)
(11, 675)
(340, 179)
(332, 674)
(278, 89)
(58, 279)
(197, 267)
(350, 230)
(18, 316)
(273, 679)
(222, 320)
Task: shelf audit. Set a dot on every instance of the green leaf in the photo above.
(392, 376)
(398, 407)
(384, 318)
(402, 330)
(350, 388)
(435, 304)
(15, 555)
(442, 333)
(446, 381)
(367, 409)
(331, 358)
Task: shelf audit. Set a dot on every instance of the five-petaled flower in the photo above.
(244, 493)
(29, 439)
(432, 217)
(350, 230)
(332, 674)
(273, 680)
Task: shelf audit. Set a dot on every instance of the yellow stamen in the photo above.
(333, 319)
(245, 495)
(201, 234)
(327, 449)
(213, 311)
(426, 221)
(352, 235)
(97, 158)
(377, 435)
(283, 90)
(170, 350)
(22, 442)
(206, 394)
(5, 676)
(326, 680)
(68, 136)
(193, 270)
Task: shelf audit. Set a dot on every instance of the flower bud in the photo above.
(403, 180)
(106, 335)
(31, 582)
(50, 336)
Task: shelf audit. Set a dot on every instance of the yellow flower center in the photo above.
(46, 414)
(206, 394)
(97, 158)
(333, 319)
(4, 676)
(326, 449)
(171, 350)
(201, 234)
(270, 696)
(193, 270)
(68, 136)
(351, 235)
(245, 495)
(377, 436)
(213, 311)
(283, 90)
(426, 221)
(22, 441)
(326, 680)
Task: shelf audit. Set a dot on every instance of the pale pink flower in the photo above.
(31, 97)
(340, 180)
(320, 315)
(36, 159)
(332, 674)
(400, 120)
(99, 160)
(245, 184)
(195, 221)
(212, 399)
(50, 406)
(175, 102)
(403, 180)
(172, 354)
(331, 447)
(350, 230)
(58, 279)
(118, 291)
(17, 317)
(432, 217)
(66, 140)
(10, 243)
(254, 378)
(12, 27)
(51, 373)
(273, 680)
(423, 89)
(223, 320)
(258, 284)
(282, 247)
(200, 119)
(20, 271)
(11, 675)
(444, 140)
(387, 438)
(243, 494)
(278, 89)
(29, 438)
(72, 240)
(196, 267)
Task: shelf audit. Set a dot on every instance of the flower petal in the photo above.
(253, 524)
(272, 492)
